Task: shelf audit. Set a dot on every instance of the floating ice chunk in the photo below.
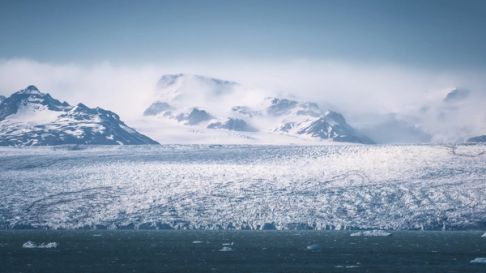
(48, 245)
(313, 248)
(479, 260)
(225, 249)
(30, 244)
(346, 266)
(197, 242)
(371, 233)
(484, 235)
(228, 244)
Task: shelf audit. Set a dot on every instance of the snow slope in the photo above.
(244, 187)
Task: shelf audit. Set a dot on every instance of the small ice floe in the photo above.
(30, 244)
(197, 242)
(371, 233)
(225, 249)
(346, 266)
(484, 235)
(96, 235)
(313, 248)
(479, 260)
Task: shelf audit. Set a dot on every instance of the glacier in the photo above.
(256, 187)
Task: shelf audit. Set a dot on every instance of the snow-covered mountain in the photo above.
(477, 139)
(451, 115)
(206, 106)
(29, 117)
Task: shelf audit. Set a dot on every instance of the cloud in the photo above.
(455, 119)
(121, 89)
(355, 89)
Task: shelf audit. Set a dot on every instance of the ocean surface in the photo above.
(239, 251)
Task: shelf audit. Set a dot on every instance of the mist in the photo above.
(365, 94)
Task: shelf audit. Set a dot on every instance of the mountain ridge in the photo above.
(29, 117)
(205, 103)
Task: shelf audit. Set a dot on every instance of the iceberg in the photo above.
(479, 260)
(30, 244)
(371, 233)
(225, 249)
(313, 248)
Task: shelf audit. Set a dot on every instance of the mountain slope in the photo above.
(204, 106)
(477, 139)
(333, 126)
(29, 117)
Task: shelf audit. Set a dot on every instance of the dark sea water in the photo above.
(240, 251)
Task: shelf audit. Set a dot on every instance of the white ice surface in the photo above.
(244, 187)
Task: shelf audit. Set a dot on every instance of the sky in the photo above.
(430, 34)
(362, 57)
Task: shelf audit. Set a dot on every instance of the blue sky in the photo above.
(426, 34)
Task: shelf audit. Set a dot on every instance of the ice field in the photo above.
(244, 187)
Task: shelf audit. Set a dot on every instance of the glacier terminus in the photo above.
(256, 187)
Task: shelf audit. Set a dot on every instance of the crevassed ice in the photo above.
(244, 187)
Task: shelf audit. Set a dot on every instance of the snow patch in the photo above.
(33, 114)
